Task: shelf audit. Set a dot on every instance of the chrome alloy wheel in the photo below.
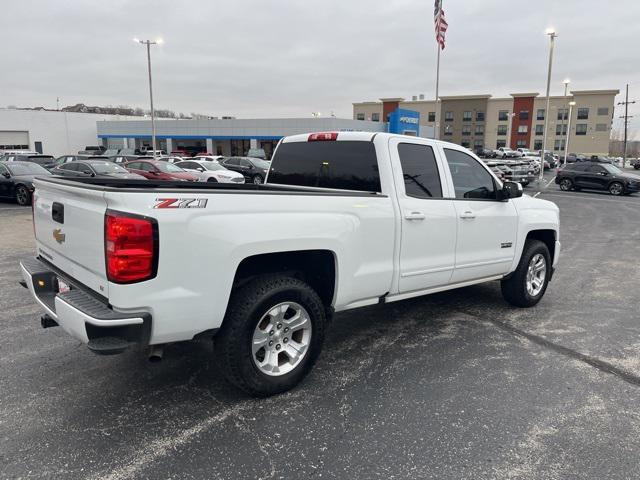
(536, 274)
(22, 196)
(281, 339)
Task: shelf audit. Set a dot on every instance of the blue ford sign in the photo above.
(404, 122)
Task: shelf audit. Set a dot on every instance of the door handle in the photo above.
(414, 216)
(468, 214)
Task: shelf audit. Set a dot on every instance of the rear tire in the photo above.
(249, 308)
(23, 196)
(257, 180)
(525, 288)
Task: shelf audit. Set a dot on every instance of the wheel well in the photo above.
(548, 237)
(316, 267)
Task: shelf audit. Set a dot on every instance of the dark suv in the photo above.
(254, 169)
(597, 176)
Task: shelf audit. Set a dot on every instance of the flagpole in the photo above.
(435, 126)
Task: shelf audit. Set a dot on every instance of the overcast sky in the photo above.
(288, 58)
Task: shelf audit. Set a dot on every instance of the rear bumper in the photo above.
(81, 314)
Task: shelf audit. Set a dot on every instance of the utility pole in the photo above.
(626, 117)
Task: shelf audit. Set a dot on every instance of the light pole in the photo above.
(566, 143)
(552, 36)
(509, 128)
(148, 43)
(566, 83)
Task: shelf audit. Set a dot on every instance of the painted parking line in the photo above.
(596, 197)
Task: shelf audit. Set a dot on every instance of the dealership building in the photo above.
(477, 121)
(234, 137)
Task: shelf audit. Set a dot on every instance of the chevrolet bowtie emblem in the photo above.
(59, 236)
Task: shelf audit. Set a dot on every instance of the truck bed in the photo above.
(128, 185)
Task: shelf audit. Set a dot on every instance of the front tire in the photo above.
(566, 184)
(212, 180)
(271, 335)
(23, 196)
(527, 285)
(257, 180)
(616, 188)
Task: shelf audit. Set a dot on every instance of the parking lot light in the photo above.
(552, 36)
(566, 143)
(148, 44)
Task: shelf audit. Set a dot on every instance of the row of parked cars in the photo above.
(17, 170)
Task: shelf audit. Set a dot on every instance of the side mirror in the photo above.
(510, 190)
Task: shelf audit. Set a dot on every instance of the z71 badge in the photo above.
(180, 203)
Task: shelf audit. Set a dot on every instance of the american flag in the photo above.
(440, 23)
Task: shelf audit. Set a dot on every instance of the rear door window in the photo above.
(347, 165)
(420, 171)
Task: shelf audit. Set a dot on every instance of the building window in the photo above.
(558, 145)
(583, 114)
(581, 129)
(432, 116)
(478, 144)
(563, 114)
(601, 127)
(603, 111)
(561, 129)
(524, 114)
(537, 145)
(375, 117)
(466, 130)
(448, 131)
(521, 144)
(503, 115)
(465, 143)
(360, 116)
(502, 129)
(540, 114)
(479, 129)
(479, 116)
(501, 143)
(448, 116)
(539, 129)
(466, 116)
(523, 129)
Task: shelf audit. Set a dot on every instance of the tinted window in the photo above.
(420, 172)
(27, 169)
(134, 165)
(84, 168)
(470, 179)
(596, 169)
(107, 167)
(69, 166)
(349, 165)
(165, 167)
(232, 161)
(580, 167)
(245, 163)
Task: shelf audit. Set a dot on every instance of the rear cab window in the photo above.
(343, 165)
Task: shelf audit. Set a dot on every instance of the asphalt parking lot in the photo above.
(455, 385)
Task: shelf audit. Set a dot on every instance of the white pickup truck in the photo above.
(345, 220)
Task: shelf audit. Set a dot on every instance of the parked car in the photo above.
(348, 220)
(150, 153)
(169, 158)
(485, 153)
(505, 152)
(597, 176)
(16, 180)
(211, 171)
(636, 164)
(180, 153)
(46, 161)
(209, 158)
(122, 159)
(158, 170)
(523, 152)
(92, 150)
(94, 168)
(600, 159)
(515, 171)
(75, 158)
(253, 169)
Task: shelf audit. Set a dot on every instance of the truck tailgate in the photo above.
(69, 230)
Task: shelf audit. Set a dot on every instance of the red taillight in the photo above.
(323, 137)
(131, 247)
